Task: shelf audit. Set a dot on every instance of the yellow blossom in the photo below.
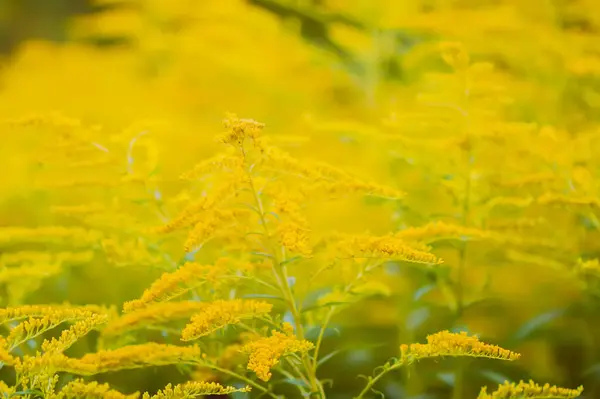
(76, 331)
(264, 353)
(198, 210)
(219, 314)
(133, 356)
(240, 129)
(174, 284)
(445, 343)
(530, 389)
(194, 389)
(388, 246)
(210, 224)
(152, 315)
(80, 389)
(50, 318)
(63, 312)
(294, 237)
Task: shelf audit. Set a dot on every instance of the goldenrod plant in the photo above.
(403, 205)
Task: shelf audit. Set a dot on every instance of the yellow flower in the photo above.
(70, 336)
(265, 352)
(81, 389)
(211, 223)
(219, 314)
(388, 246)
(50, 318)
(5, 356)
(445, 343)
(152, 315)
(530, 389)
(294, 237)
(240, 129)
(174, 284)
(135, 356)
(194, 389)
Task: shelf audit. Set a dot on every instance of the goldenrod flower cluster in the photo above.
(445, 343)
(218, 314)
(388, 246)
(529, 389)
(43, 318)
(174, 284)
(153, 315)
(265, 353)
(76, 331)
(129, 357)
(240, 129)
(80, 389)
(194, 389)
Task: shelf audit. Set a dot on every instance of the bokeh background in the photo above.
(361, 84)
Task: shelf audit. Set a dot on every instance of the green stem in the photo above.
(459, 381)
(373, 380)
(281, 370)
(329, 315)
(283, 281)
(320, 338)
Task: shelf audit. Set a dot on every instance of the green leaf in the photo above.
(424, 290)
(291, 260)
(328, 356)
(535, 324)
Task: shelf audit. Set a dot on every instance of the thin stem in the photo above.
(281, 370)
(373, 380)
(459, 380)
(329, 315)
(320, 338)
(291, 377)
(280, 274)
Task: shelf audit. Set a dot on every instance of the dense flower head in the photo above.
(64, 312)
(388, 246)
(240, 129)
(445, 343)
(174, 284)
(265, 353)
(79, 388)
(531, 389)
(136, 356)
(218, 314)
(75, 332)
(194, 389)
(152, 315)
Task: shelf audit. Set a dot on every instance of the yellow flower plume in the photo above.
(530, 390)
(445, 343)
(265, 352)
(219, 314)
